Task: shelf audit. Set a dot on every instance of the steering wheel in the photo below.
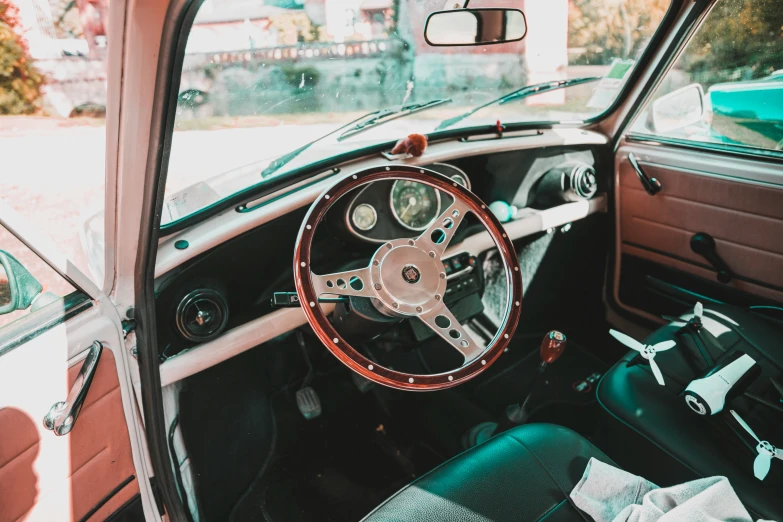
(406, 279)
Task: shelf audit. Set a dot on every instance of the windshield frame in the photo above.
(179, 19)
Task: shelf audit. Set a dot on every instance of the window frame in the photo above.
(30, 326)
(729, 149)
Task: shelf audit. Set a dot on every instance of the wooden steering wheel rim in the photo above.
(346, 353)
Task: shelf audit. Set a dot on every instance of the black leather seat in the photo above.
(653, 433)
(524, 474)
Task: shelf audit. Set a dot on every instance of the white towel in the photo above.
(608, 494)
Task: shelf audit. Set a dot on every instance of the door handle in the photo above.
(651, 185)
(62, 416)
(704, 245)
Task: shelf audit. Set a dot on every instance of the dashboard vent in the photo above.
(202, 315)
(567, 182)
(583, 181)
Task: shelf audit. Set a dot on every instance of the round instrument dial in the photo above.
(364, 217)
(414, 205)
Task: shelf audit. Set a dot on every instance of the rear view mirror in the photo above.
(678, 109)
(18, 287)
(475, 27)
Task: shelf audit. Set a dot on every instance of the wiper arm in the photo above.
(283, 160)
(386, 115)
(361, 124)
(522, 92)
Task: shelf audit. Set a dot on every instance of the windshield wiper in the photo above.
(386, 115)
(522, 92)
(361, 124)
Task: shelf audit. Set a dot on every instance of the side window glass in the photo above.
(726, 88)
(27, 284)
(52, 122)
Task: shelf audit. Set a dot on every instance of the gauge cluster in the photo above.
(390, 209)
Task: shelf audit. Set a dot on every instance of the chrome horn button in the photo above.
(406, 278)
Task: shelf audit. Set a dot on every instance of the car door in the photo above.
(699, 178)
(65, 404)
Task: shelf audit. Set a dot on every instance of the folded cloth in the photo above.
(608, 494)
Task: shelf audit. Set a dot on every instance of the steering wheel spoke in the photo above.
(441, 231)
(442, 322)
(349, 283)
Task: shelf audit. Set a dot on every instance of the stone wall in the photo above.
(309, 77)
(239, 85)
(73, 82)
(330, 81)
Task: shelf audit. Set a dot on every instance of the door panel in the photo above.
(738, 202)
(101, 458)
(88, 473)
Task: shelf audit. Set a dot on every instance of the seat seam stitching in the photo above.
(552, 510)
(567, 496)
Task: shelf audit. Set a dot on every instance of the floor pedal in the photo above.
(309, 403)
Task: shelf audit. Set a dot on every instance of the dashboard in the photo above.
(216, 303)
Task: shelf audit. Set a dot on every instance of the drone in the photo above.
(723, 379)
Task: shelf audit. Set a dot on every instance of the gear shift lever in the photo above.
(552, 347)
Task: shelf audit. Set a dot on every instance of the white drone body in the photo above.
(647, 351)
(766, 451)
(707, 396)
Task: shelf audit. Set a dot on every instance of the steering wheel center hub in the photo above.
(411, 274)
(408, 279)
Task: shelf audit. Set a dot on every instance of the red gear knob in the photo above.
(553, 346)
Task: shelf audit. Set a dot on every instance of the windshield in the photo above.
(269, 87)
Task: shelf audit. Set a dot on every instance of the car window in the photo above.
(52, 122)
(726, 88)
(261, 80)
(25, 280)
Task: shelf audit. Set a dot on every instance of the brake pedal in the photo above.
(309, 403)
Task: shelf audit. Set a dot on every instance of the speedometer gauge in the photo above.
(414, 205)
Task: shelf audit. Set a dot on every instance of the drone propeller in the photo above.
(698, 310)
(766, 451)
(693, 327)
(647, 351)
(698, 315)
